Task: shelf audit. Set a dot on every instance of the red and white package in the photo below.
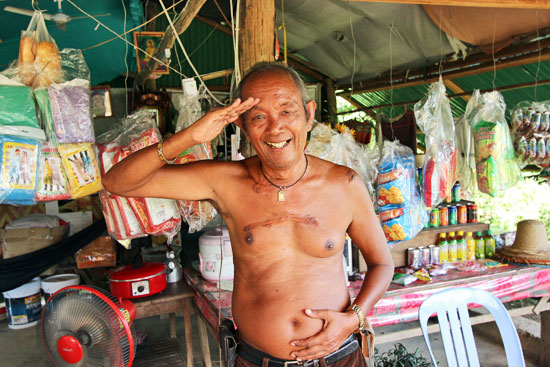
(52, 181)
(148, 137)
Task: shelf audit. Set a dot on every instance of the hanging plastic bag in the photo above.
(466, 164)
(47, 63)
(28, 46)
(18, 169)
(52, 181)
(401, 210)
(17, 110)
(80, 163)
(197, 214)
(70, 110)
(496, 164)
(341, 148)
(434, 117)
(531, 133)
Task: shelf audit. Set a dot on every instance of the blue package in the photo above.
(18, 169)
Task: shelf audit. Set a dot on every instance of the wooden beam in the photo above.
(456, 89)
(182, 22)
(517, 4)
(475, 64)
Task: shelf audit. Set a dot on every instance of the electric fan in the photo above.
(86, 326)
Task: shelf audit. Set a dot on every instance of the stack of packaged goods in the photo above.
(129, 218)
(531, 133)
(60, 163)
(453, 211)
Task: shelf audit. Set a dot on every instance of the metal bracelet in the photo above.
(162, 157)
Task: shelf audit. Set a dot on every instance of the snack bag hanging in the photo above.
(81, 167)
(70, 109)
(496, 165)
(18, 170)
(402, 213)
(52, 181)
(434, 117)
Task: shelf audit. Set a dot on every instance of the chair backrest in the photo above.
(451, 306)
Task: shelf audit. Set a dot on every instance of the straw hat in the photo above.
(531, 245)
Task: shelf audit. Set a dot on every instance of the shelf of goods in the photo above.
(428, 236)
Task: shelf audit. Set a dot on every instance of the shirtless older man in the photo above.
(287, 215)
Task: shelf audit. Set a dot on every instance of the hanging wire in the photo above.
(391, 68)
(125, 61)
(440, 41)
(123, 34)
(354, 48)
(493, 50)
(283, 27)
(178, 39)
(123, 38)
(221, 12)
(540, 54)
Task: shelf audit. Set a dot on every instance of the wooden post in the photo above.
(544, 338)
(331, 100)
(257, 32)
(256, 42)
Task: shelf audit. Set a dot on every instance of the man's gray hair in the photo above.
(276, 67)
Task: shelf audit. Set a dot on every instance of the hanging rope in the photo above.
(493, 50)
(540, 54)
(354, 48)
(125, 61)
(283, 27)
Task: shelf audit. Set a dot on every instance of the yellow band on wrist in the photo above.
(162, 157)
(359, 312)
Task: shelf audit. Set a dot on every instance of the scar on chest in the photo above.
(301, 219)
(350, 175)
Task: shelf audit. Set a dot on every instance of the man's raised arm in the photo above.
(144, 174)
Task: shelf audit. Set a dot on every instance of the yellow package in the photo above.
(81, 167)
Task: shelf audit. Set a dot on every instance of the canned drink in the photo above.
(443, 216)
(472, 213)
(415, 258)
(410, 257)
(434, 254)
(517, 118)
(535, 121)
(453, 215)
(462, 213)
(455, 192)
(426, 257)
(434, 218)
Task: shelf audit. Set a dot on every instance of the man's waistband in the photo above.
(256, 356)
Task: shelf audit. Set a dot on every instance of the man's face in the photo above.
(277, 126)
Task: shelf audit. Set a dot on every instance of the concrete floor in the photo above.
(22, 348)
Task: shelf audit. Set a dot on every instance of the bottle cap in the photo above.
(489, 232)
(461, 233)
(451, 234)
(468, 233)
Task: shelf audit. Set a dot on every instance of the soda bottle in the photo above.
(443, 249)
(489, 245)
(470, 246)
(480, 245)
(451, 240)
(460, 246)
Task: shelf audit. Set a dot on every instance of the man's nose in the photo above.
(274, 125)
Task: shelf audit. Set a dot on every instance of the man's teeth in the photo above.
(277, 145)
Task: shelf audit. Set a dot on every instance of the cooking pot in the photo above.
(133, 281)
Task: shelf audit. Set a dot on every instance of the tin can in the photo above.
(434, 218)
(443, 216)
(414, 258)
(462, 214)
(426, 257)
(434, 254)
(420, 249)
(453, 215)
(455, 192)
(472, 213)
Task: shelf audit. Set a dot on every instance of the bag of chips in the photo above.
(18, 169)
(401, 209)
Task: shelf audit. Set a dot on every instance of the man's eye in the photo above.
(258, 117)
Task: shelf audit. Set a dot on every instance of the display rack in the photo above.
(428, 236)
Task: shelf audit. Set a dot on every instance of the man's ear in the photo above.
(310, 114)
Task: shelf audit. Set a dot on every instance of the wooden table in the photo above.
(175, 298)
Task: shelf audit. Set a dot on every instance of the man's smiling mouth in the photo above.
(278, 145)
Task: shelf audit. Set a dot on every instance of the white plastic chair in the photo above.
(451, 306)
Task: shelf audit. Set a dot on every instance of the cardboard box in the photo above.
(99, 253)
(20, 241)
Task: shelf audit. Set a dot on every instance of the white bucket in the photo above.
(216, 255)
(52, 284)
(23, 305)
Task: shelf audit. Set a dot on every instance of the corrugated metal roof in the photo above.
(483, 81)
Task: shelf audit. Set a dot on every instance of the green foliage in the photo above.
(527, 200)
(400, 357)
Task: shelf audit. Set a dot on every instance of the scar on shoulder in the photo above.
(350, 175)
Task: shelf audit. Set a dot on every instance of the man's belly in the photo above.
(271, 318)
